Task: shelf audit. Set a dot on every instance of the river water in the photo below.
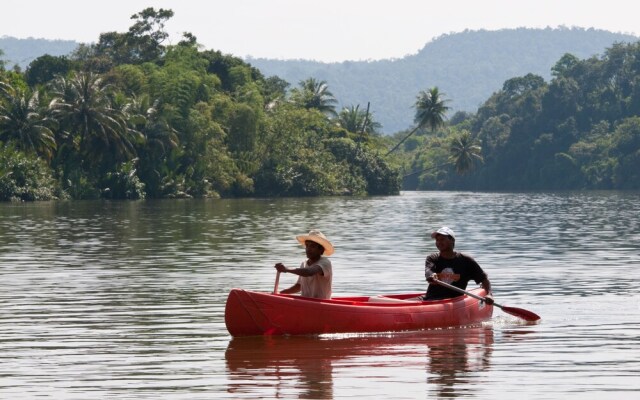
(126, 299)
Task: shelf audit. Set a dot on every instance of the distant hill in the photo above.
(468, 67)
(22, 51)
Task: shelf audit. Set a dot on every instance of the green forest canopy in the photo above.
(128, 117)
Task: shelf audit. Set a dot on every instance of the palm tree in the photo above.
(23, 120)
(83, 106)
(465, 152)
(160, 140)
(430, 111)
(147, 118)
(314, 94)
(357, 121)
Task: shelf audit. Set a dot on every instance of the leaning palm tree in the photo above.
(314, 94)
(83, 106)
(430, 111)
(23, 121)
(465, 152)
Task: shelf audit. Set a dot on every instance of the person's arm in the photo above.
(483, 279)
(429, 267)
(310, 271)
(486, 285)
(293, 289)
(313, 270)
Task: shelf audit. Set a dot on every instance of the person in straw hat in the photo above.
(314, 273)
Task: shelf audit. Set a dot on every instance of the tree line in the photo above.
(129, 117)
(580, 130)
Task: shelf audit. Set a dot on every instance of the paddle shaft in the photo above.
(275, 288)
(457, 289)
(518, 312)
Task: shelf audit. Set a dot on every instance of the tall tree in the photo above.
(160, 141)
(465, 152)
(83, 106)
(431, 109)
(312, 93)
(148, 119)
(23, 120)
(142, 43)
(44, 68)
(357, 121)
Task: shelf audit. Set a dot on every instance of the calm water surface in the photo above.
(126, 299)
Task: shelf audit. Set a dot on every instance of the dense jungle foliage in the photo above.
(129, 118)
(581, 130)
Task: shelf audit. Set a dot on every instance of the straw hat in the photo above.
(318, 237)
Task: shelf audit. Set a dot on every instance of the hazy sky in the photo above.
(323, 30)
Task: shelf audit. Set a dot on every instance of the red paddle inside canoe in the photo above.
(518, 312)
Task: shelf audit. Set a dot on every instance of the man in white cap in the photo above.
(452, 267)
(314, 274)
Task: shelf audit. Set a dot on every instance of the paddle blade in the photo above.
(520, 313)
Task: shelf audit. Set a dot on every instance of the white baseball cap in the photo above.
(444, 231)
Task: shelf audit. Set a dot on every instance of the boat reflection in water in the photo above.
(303, 366)
(451, 357)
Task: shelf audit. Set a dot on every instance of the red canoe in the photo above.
(254, 313)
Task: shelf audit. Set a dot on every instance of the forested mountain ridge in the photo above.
(21, 52)
(468, 67)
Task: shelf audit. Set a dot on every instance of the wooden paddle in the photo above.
(275, 288)
(518, 312)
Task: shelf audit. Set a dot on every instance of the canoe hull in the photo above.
(250, 313)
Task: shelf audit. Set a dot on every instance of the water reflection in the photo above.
(453, 355)
(307, 361)
(126, 299)
(302, 366)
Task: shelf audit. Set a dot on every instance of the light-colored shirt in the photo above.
(318, 286)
